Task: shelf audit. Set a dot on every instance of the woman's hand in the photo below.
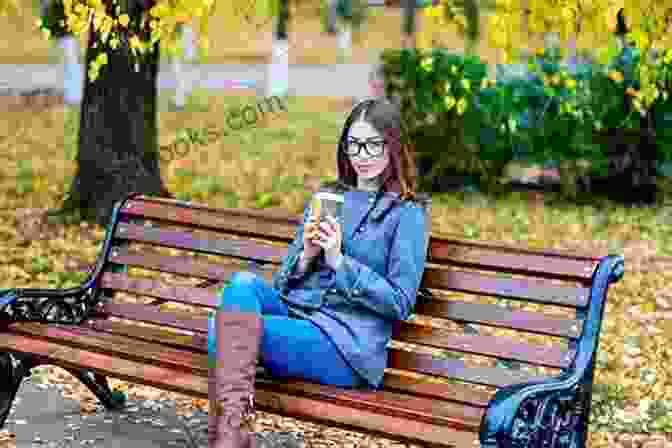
(310, 249)
(330, 238)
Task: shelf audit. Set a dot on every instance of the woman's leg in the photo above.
(298, 348)
(238, 327)
(248, 292)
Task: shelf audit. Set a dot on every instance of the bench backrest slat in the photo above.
(197, 342)
(395, 380)
(528, 289)
(157, 288)
(497, 316)
(144, 313)
(184, 240)
(457, 369)
(281, 227)
(176, 264)
(485, 345)
(543, 293)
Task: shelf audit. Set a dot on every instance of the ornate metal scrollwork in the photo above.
(49, 306)
(549, 421)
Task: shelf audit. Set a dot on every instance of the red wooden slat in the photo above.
(152, 315)
(196, 342)
(182, 264)
(386, 402)
(184, 240)
(392, 380)
(156, 288)
(454, 392)
(507, 258)
(492, 259)
(267, 397)
(491, 346)
(496, 316)
(63, 356)
(238, 221)
(533, 290)
(457, 369)
(115, 345)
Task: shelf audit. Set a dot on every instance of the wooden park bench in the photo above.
(502, 346)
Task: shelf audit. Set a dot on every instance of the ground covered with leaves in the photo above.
(276, 164)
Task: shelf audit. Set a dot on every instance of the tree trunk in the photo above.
(118, 150)
(277, 76)
(409, 24)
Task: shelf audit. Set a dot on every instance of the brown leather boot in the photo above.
(231, 381)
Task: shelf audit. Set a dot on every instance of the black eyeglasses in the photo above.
(373, 147)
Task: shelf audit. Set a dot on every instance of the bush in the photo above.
(462, 123)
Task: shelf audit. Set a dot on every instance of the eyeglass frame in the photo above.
(364, 144)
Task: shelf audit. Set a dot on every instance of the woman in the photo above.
(328, 317)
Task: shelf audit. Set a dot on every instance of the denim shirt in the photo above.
(384, 248)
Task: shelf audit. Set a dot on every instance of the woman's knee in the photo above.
(243, 280)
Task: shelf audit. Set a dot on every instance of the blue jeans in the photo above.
(290, 347)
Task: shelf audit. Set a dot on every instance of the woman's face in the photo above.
(367, 166)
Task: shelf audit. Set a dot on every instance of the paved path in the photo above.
(42, 417)
(343, 80)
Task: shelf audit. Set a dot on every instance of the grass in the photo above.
(270, 165)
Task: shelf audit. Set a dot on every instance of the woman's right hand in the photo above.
(310, 230)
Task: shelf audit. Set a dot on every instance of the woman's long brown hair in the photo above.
(401, 173)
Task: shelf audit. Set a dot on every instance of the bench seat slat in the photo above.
(532, 290)
(63, 356)
(389, 401)
(407, 331)
(495, 346)
(445, 391)
(497, 316)
(119, 346)
(198, 343)
(457, 369)
(398, 359)
(184, 240)
(270, 395)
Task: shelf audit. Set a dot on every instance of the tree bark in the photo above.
(118, 149)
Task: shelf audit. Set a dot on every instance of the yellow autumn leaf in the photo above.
(461, 106)
(124, 19)
(616, 76)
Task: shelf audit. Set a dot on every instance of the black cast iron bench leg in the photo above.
(98, 384)
(13, 368)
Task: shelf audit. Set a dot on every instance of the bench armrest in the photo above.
(63, 306)
(555, 410)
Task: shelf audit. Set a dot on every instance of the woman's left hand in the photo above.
(329, 237)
